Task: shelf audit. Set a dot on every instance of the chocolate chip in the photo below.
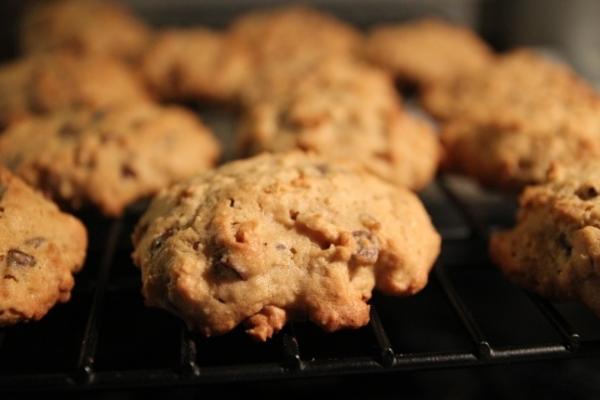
(156, 243)
(127, 171)
(564, 244)
(231, 203)
(11, 277)
(68, 130)
(586, 192)
(16, 257)
(35, 242)
(225, 271)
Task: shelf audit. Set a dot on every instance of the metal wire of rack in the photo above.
(106, 338)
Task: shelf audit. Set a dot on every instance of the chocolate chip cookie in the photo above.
(426, 52)
(43, 83)
(84, 26)
(293, 34)
(40, 250)
(111, 157)
(195, 63)
(511, 141)
(346, 110)
(555, 248)
(518, 84)
(281, 237)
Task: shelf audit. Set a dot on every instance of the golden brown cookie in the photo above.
(427, 51)
(519, 84)
(43, 83)
(197, 63)
(84, 26)
(281, 237)
(40, 250)
(110, 157)
(345, 110)
(554, 250)
(294, 33)
(509, 129)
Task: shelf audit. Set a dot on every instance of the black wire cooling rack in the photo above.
(468, 316)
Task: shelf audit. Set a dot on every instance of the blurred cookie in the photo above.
(281, 237)
(520, 84)
(83, 26)
(108, 158)
(195, 64)
(554, 250)
(426, 52)
(509, 155)
(507, 126)
(40, 249)
(345, 110)
(40, 84)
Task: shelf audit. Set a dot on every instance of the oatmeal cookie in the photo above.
(197, 63)
(85, 27)
(294, 33)
(40, 250)
(281, 237)
(518, 85)
(108, 157)
(345, 110)
(427, 52)
(40, 84)
(509, 155)
(554, 250)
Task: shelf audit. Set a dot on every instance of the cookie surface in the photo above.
(281, 237)
(507, 128)
(195, 63)
(294, 33)
(40, 250)
(108, 158)
(83, 26)
(40, 84)
(554, 248)
(345, 110)
(518, 84)
(426, 51)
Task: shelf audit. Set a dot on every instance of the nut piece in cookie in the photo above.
(42, 83)
(280, 237)
(40, 250)
(197, 63)
(427, 52)
(108, 158)
(345, 110)
(554, 250)
(85, 27)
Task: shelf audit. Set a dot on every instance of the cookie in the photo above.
(426, 52)
(345, 110)
(281, 237)
(40, 84)
(554, 248)
(108, 158)
(519, 84)
(197, 63)
(512, 144)
(509, 154)
(294, 34)
(84, 26)
(40, 250)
